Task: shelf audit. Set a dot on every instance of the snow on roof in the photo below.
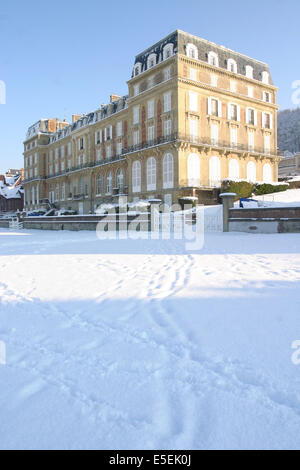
(10, 188)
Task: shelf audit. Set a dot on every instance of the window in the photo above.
(62, 166)
(136, 176)
(267, 144)
(80, 144)
(151, 61)
(86, 189)
(119, 148)
(151, 174)
(69, 148)
(232, 86)
(266, 97)
(250, 91)
(249, 71)
(135, 90)
(150, 109)
(80, 185)
(109, 183)
(214, 133)
(266, 120)
(193, 74)
(63, 191)
(213, 59)
(214, 171)
(167, 73)
(99, 184)
(120, 179)
(193, 99)
(136, 114)
(151, 133)
(168, 171)
(265, 77)
(137, 69)
(135, 137)
(193, 170)
(191, 51)
(167, 127)
(251, 140)
(234, 171)
(62, 152)
(167, 51)
(251, 116)
(193, 130)
(69, 189)
(167, 102)
(35, 172)
(57, 192)
(213, 80)
(251, 172)
(119, 129)
(150, 82)
(56, 154)
(108, 151)
(56, 167)
(50, 156)
(232, 66)
(108, 133)
(233, 112)
(214, 107)
(98, 136)
(99, 155)
(233, 136)
(267, 173)
(35, 158)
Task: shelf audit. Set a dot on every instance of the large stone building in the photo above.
(289, 166)
(196, 113)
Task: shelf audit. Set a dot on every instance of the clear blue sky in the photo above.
(64, 57)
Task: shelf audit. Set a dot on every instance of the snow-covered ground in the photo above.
(140, 344)
(290, 197)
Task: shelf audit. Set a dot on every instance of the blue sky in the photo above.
(59, 58)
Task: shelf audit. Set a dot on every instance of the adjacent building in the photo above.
(11, 191)
(289, 166)
(196, 113)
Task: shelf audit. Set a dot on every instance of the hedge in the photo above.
(246, 189)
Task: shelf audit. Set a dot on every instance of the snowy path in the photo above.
(140, 344)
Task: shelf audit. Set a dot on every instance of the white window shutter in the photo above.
(271, 121)
(228, 110)
(255, 118)
(78, 144)
(219, 108)
(96, 137)
(110, 131)
(238, 113)
(208, 105)
(263, 120)
(100, 132)
(105, 134)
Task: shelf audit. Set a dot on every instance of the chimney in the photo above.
(75, 117)
(114, 98)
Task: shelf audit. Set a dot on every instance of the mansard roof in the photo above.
(180, 39)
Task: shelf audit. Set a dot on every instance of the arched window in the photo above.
(265, 77)
(151, 61)
(232, 65)
(191, 51)
(214, 171)
(151, 174)
(120, 179)
(249, 71)
(109, 183)
(136, 177)
(99, 184)
(168, 171)
(193, 170)
(251, 172)
(213, 59)
(234, 170)
(137, 69)
(267, 173)
(168, 51)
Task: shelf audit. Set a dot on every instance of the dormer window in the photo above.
(265, 77)
(137, 69)
(192, 51)
(168, 51)
(232, 66)
(151, 61)
(249, 71)
(213, 59)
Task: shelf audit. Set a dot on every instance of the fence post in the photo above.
(228, 203)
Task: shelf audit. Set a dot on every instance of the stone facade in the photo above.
(196, 113)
